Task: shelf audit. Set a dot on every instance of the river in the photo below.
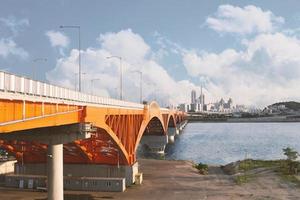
(221, 143)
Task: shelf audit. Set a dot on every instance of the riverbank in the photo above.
(165, 179)
(245, 120)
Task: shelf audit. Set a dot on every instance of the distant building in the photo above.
(210, 107)
(276, 109)
(193, 107)
(221, 106)
(193, 97)
(201, 101)
(229, 104)
(184, 107)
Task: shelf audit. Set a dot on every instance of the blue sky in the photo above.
(177, 44)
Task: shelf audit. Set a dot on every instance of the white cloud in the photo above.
(57, 39)
(247, 20)
(125, 43)
(15, 25)
(157, 83)
(9, 47)
(268, 70)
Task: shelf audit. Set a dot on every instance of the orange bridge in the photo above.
(37, 117)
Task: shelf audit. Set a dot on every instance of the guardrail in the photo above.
(19, 84)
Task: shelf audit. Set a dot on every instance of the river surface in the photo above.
(221, 143)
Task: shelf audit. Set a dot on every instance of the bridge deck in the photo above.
(28, 106)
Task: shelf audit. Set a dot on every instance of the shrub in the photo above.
(202, 168)
(292, 164)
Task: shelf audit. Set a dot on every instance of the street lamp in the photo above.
(141, 84)
(121, 78)
(79, 53)
(92, 82)
(34, 67)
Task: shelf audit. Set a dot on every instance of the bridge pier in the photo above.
(155, 143)
(55, 172)
(172, 132)
(54, 137)
(182, 125)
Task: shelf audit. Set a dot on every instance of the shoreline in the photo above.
(173, 179)
(245, 120)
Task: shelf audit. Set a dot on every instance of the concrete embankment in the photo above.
(169, 180)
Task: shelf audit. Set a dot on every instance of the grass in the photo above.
(202, 168)
(241, 179)
(290, 179)
(249, 164)
(280, 167)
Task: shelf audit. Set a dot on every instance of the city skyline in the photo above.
(227, 47)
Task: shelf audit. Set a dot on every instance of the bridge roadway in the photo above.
(61, 132)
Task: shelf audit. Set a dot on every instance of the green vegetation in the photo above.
(290, 105)
(202, 168)
(249, 164)
(286, 169)
(244, 178)
(290, 179)
(290, 167)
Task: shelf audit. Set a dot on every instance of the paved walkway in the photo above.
(179, 180)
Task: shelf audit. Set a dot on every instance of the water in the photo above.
(221, 143)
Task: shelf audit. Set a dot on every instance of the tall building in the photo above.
(193, 97)
(202, 97)
(201, 100)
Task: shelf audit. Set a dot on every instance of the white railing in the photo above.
(19, 84)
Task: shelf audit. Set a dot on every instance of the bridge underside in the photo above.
(94, 141)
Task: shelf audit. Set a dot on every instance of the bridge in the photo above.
(67, 136)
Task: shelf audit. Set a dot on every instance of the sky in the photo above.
(246, 50)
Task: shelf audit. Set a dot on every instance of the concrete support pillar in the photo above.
(55, 172)
(177, 131)
(171, 134)
(171, 139)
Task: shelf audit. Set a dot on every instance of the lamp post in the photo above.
(34, 67)
(141, 84)
(79, 53)
(75, 81)
(92, 86)
(121, 75)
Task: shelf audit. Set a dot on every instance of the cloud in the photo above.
(125, 43)
(266, 71)
(247, 20)
(15, 25)
(157, 83)
(9, 47)
(57, 39)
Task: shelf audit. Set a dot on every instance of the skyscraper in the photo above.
(202, 97)
(193, 97)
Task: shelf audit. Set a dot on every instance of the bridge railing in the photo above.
(19, 84)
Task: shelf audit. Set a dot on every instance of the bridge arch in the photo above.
(151, 112)
(171, 121)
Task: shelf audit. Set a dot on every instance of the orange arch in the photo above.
(171, 118)
(152, 111)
